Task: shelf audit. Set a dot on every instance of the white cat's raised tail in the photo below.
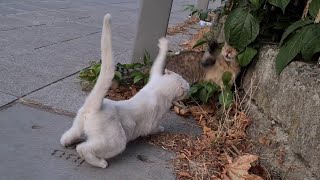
(94, 100)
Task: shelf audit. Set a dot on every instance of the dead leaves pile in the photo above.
(122, 92)
(182, 27)
(188, 45)
(219, 153)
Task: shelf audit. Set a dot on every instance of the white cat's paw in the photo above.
(103, 163)
(161, 129)
(65, 139)
(163, 43)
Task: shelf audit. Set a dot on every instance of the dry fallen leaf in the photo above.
(176, 110)
(264, 141)
(184, 174)
(214, 178)
(253, 177)
(238, 170)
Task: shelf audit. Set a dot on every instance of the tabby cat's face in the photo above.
(229, 53)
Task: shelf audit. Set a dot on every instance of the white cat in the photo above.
(108, 124)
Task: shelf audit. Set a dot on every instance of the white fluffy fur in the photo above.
(108, 124)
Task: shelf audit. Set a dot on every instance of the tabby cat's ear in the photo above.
(213, 45)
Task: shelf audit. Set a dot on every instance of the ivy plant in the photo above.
(274, 20)
(135, 73)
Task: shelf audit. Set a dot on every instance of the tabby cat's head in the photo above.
(229, 53)
(215, 50)
(209, 57)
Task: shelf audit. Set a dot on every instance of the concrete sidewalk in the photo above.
(43, 46)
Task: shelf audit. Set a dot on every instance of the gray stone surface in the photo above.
(6, 98)
(6, 11)
(19, 80)
(292, 101)
(30, 149)
(64, 95)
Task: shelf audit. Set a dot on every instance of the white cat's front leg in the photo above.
(72, 135)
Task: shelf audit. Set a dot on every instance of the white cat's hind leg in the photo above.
(86, 151)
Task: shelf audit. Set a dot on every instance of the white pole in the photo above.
(153, 24)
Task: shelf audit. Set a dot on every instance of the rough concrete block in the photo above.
(6, 98)
(291, 99)
(30, 149)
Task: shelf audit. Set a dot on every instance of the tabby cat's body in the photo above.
(205, 66)
(188, 65)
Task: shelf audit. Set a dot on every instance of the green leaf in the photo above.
(211, 88)
(203, 15)
(241, 28)
(226, 98)
(314, 8)
(289, 50)
(189, 7)
(137, 78)
(193, 90)
(145, 79)
(137, 65)
(226, 78)
(280, 3)
(129, 66)
(256, 3)
(121, 65)
(199, 43)
(245, 57)
(195, 11)
(294, 26)
(136, 73)
(203, 96)
(239, 3)
(118, 75)
(146, 58)
(311, 41)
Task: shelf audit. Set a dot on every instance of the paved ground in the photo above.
(43, 45)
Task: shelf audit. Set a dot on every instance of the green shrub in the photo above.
(203, 91)
(136, 73)
(251, 21)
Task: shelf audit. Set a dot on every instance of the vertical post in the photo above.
(202, 4)
(153, 24)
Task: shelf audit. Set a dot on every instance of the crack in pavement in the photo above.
(67, 40)
(50, 109)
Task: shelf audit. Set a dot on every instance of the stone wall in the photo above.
(286, 111)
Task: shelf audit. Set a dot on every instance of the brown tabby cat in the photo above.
(205, 66)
